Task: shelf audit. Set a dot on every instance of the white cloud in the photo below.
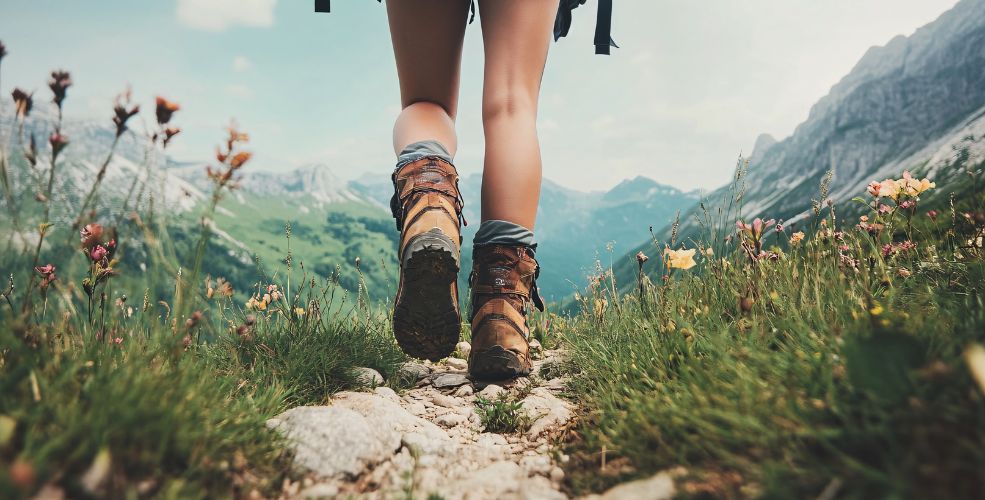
(217, 15)
(241, 63)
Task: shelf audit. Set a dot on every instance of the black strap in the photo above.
(603, 28)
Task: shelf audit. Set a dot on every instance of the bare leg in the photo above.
(427, 43)
(516, 35)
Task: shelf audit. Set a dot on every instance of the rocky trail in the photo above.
(431, 442)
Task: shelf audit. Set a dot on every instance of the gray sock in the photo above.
(501, 232)
(422, 149)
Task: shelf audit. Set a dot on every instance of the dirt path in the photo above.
(430, 440)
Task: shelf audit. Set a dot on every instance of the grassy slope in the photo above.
(824, 377)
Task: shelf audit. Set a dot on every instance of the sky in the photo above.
(692, 86)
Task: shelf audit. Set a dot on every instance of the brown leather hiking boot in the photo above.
(503, 283)
(428, 208)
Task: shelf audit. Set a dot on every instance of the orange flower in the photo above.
(165, 109)
(240, 159)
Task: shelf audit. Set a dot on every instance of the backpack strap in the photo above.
(603, 23)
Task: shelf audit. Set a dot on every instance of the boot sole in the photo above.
(426, 321)
(496, 363)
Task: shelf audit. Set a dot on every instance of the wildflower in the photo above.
(876, 310)
(795, 238)
(118, 340)
(299, 311)
(913, 187)
(240, 159)
(47, 273)
(169, 133)
(884, 209)
(864, 218)
(121, 114)
(756, 229)
(641, 258)
(874, 189)
(679, 259)
(165, 110)
(91, 234)
(908, 204)
(779, 226)
(58, 142)
(709, 252)
(932, 214)
(59, 83)
(98, 253)
(904, 272)
(23, 102)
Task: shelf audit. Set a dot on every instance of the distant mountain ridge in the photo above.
(917, 103)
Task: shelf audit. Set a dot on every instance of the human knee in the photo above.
(429, 107)
(510, 104)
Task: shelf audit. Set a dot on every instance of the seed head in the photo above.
(23, 102)
(59, 83)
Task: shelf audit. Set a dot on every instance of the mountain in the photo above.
(574, 228)
(917, 103)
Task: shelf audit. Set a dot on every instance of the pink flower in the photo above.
(90, 235)
(885, 209)
(908, 204)
(873, 188)
(118, 340)
(97, 253)
(932, 214)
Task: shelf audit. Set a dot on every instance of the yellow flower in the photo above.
(796, 237)
(299, 311)
(876, 310)
(679, 259)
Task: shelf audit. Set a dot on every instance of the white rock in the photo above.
(445, 401)
(387, 393)
(464, 391)
(658, 487)
(456, 363)
(536, 464)
(320, 490)
(547, 410)
(463, 348)
(368, 377)
(416, 408)
(491, 391)
(450, 419)
(557, 474)
(358, 430)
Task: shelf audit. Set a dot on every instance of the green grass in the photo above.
(779, 378)
(503, 414)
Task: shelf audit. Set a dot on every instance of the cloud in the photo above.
(217, 15)
(241, 63)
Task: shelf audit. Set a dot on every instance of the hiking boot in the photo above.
(503, 284)
(428, 208)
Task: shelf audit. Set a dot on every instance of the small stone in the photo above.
(490, 439)
(367, 377)
(463, 348)
(491, 391)
(387, 393)
(446, 380)
(456, 363)
(321, 490)
(450, 419)
(657, 487)
(464, 391)
(557, 474)
(410, 372)
(417, 408)
(445, 401)
(536, 464)
(548, 411)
